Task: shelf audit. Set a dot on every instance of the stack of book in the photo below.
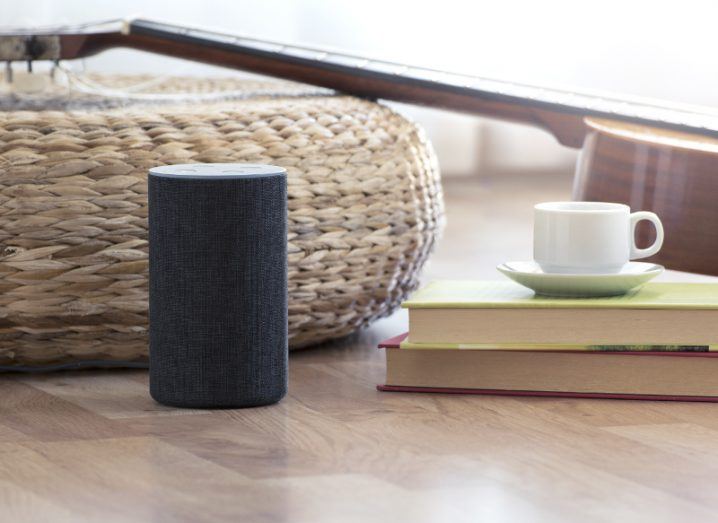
(660, 342)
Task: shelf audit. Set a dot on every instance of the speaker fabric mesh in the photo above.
(218, 289)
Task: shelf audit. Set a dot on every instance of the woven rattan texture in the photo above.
(364, 207)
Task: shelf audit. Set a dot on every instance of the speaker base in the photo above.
(247, 403)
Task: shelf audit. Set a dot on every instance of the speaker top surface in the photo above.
(214, 171)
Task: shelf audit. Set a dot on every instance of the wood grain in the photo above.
(90, 446)
(669, 173)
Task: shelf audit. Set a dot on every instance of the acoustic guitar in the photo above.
(651, 156)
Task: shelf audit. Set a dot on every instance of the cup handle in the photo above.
(636, 217)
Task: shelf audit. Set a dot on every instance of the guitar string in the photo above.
(86, 85)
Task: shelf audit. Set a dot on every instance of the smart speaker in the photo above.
(218, 285)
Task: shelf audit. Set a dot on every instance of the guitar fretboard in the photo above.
(680, 116)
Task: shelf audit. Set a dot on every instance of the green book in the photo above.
(505, 313)
(504, 294)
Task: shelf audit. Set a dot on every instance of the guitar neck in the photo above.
(560, 112)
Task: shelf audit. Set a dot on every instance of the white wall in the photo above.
(650, 48)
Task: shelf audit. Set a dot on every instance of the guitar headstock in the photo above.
(60, 42)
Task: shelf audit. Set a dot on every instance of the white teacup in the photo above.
(589, 237)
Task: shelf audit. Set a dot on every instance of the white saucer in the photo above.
(529, 274)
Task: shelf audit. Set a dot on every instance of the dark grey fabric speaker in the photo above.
(218, 285)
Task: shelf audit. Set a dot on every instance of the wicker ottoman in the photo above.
(365, 206)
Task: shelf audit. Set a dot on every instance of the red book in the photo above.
(637, 375)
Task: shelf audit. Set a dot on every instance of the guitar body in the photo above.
(670, 173)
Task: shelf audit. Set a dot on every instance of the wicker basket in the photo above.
(365, 207)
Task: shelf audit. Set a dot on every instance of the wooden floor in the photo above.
(92, 446)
